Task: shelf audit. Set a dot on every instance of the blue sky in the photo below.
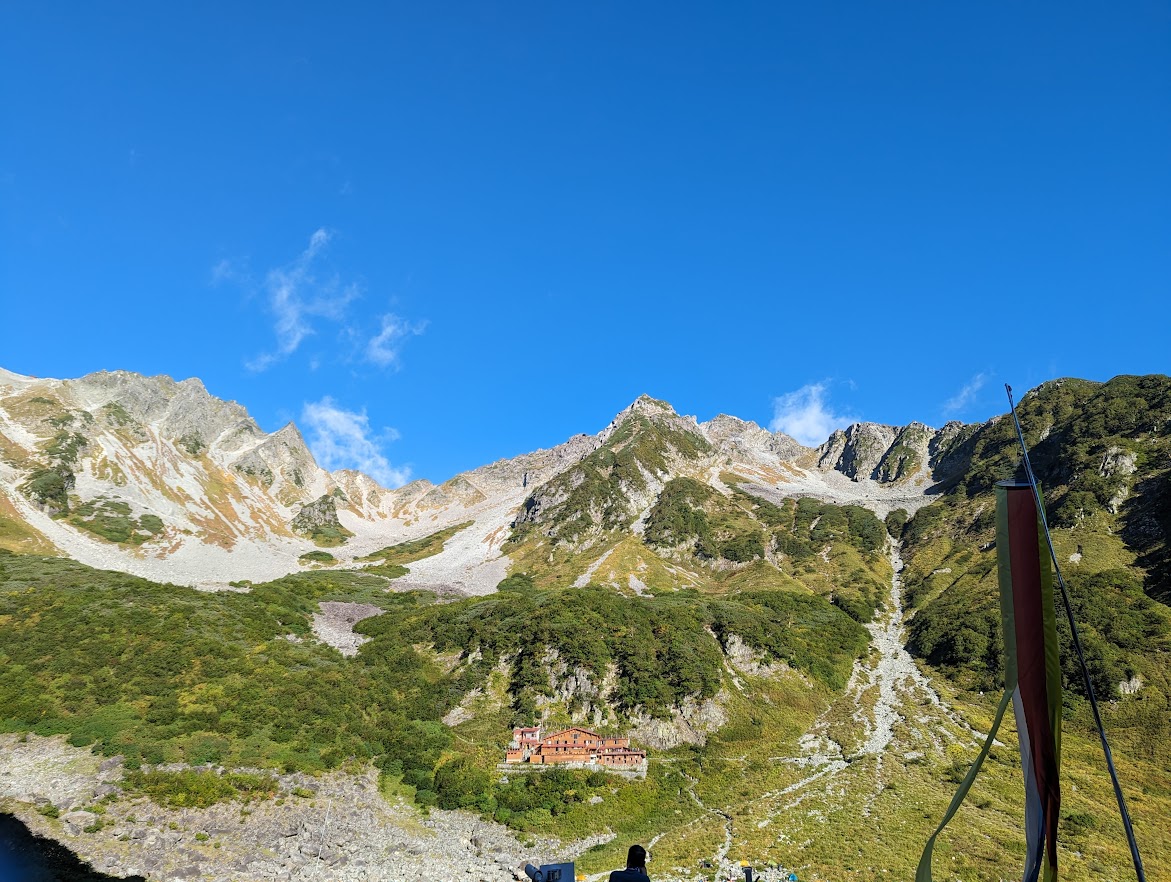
(438, 234)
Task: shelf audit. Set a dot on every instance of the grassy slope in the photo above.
(415, 549)
(391, 561)
(18, 536)
(696, 537)
(163, 674)
(1098, 519)
(1073, 428)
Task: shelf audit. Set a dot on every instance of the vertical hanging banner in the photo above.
(1032, 680)
(1032, 662)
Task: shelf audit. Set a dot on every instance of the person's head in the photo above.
(636, 857)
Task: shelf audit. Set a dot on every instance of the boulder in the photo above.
(76, 822)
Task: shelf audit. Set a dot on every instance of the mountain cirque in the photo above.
(805, 674)
(161, 479)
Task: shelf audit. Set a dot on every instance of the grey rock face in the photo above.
(317, 514)
(743, 438)
(857, 450)
(176, 409)
(283, 462)
(891, 454)
(907, 456)
(690, 723)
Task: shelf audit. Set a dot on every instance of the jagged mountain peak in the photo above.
(290, 434)
(155, 476)
(867, 451)
(748, 439)
(725, 425)
(652, 410)
(725, 419)
(177, 409)
(646, 404)
(120, 383)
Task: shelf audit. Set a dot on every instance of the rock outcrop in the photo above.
(744, 440)
(316, 516)
(911, 454)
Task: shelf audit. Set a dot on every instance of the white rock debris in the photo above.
(335, 826)
(334, 624)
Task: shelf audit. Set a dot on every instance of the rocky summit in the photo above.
(221, 661)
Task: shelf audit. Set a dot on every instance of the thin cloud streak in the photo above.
(383, 348)
(343, 439)
(223, 272)
(958, 402)
(805, 416)
(295, 296)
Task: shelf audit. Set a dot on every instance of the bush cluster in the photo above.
(960, 632)
(525, 802)
(661, 646)
(112, 520)
(198, 788)
(50, 487)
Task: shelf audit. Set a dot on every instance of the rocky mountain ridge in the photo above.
(86, 463)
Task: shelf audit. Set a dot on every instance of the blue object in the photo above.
(550, 872)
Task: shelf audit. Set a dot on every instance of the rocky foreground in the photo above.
(333, 827)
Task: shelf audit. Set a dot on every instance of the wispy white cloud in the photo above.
(222, 272)
(296, 295)
(302, 295)
(958, 402)
(343, 439)
(805, 415)
(383, 348)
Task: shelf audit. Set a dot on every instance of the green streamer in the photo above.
(923, 872)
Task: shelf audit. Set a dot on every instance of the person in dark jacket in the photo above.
(635, 867)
